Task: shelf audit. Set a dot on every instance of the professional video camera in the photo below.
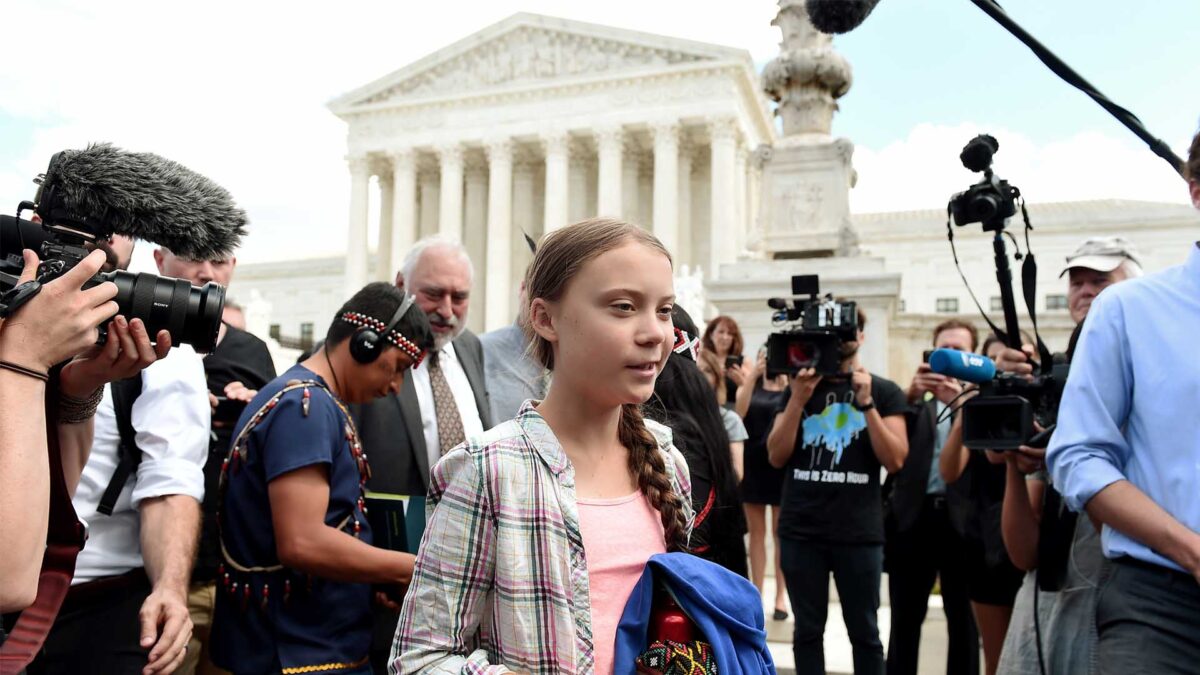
(86, 196)
(1002, 415)
(818, 328)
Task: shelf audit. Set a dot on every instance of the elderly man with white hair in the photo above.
(440, 405)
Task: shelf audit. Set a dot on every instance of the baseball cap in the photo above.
(1103, 254)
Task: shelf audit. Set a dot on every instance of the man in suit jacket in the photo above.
(441, 403)
(922, 544)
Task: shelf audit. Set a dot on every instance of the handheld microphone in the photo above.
(838, 16)
(963, 366)
(103, 190)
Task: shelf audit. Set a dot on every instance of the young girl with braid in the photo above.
(540, 528)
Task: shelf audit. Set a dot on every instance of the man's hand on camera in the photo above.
(61, 320)
(947, 390)
(126, 352)
(1017, 362)
(860, 381)
(924, 381)
(804, 383)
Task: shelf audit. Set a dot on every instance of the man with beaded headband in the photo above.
(294, 591)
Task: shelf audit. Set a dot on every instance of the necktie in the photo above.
(449, 422)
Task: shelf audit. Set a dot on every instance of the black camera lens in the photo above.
(984, 207)
(191, 314)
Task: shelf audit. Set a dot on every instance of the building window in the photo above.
(947, 305)
(903, 307)
(997, 304)
(306, 335)
(1054, 301)
(273, 331)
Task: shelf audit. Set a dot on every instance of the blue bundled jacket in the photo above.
(724, 606)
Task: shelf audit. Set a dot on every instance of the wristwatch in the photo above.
(864, 408)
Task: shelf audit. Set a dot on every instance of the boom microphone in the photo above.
(838, 16)
(104, 190)
(961, 365)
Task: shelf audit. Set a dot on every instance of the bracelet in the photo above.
(28, 372)
(864, 408)
(73, 410)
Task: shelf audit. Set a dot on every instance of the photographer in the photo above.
(56, 324)
(1033, 517)
(923, 546)
(834, 434)
(1127, 448)
(236, 369)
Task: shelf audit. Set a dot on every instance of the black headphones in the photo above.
(367, 343)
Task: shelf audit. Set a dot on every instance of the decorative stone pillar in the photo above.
(558, 152)
(475, 236)
(807, 77)
(645, 202)
(356, 240)
(577, 192)
(450, 216)
(383, 247)
(498, 268)
(610, 144)
(404, 211)
(741, 166)
(687, 233)
(524, 221)
(723, 133)
(666, 184)
(429, 204)
(631, 167)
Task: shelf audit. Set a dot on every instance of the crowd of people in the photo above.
(410, 497)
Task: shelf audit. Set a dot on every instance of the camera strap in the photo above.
(64, 539)
(958, 266)
(1029, 290)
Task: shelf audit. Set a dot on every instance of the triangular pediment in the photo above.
(528, 49)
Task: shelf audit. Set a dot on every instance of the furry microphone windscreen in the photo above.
(839, 16)
(145, 196)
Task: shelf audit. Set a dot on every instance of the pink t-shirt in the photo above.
(619, 536)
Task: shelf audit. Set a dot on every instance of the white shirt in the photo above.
(172, 418)
(464, 397)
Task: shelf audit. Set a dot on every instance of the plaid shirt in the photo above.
(501, 579)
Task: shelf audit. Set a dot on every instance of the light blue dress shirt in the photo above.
(1130, 407)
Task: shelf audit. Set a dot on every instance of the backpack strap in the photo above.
(129, 455)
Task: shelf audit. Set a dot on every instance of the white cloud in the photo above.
(922, 170)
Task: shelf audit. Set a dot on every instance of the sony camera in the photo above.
(69, 232)
(990, 201)
(815, 330)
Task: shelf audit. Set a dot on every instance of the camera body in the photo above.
(1002, 416)
(990, 201)
(816, 329)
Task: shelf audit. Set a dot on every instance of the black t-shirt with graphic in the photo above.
(831, 484)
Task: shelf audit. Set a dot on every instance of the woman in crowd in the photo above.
(711, 368)
(520, 567)
(762, 484)
(723, 338)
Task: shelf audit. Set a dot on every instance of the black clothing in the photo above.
(1149, 620)
(991, 577)
(718, 533)
(103, 615)
(831, 491)
(923, 547)
(238, 357)
(761, 482)
(928, 551)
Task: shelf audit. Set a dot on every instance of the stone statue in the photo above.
(807, 77)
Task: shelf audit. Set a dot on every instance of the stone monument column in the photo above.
(723, 133)
(610, 144)
(475, 234)
(404, 214)
(383, 249)
(450, 213)
(498, 268)
(558, 152)
(356, 241)
(666, 185)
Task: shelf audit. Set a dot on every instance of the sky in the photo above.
(238, 91)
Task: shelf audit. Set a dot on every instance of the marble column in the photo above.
(741, 166)
(723, 134)
(524, 220)
(630, 169)
(404, 211)
(666, 185)
(356, 240)
(429, 204)
(558, 151)
(686, 255)
(475, 236)
(383, 246)
(577, 193)
(450, 206)
(610, 145)
(498, 268)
